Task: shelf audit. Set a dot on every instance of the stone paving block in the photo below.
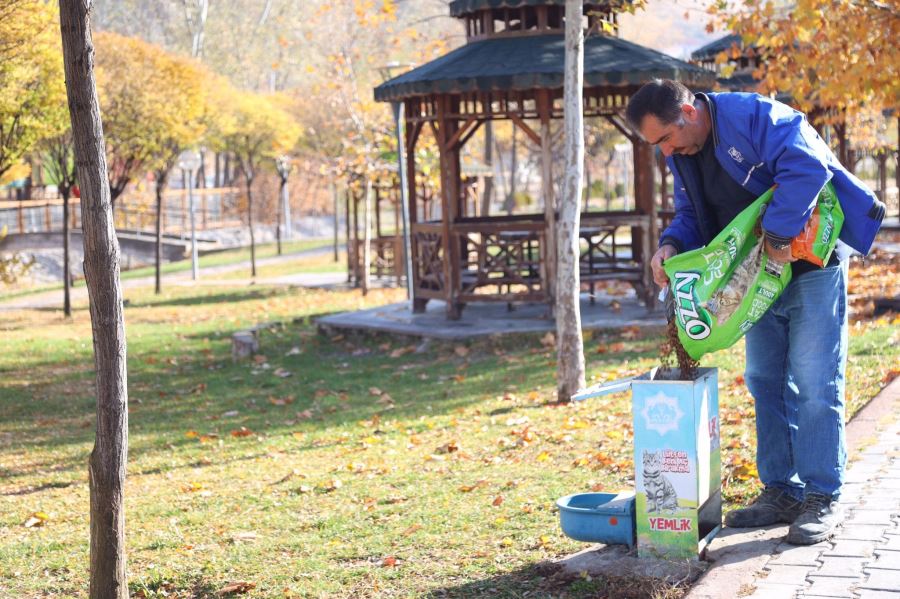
(861, 532)
(881, 503)
(889, 483)
(777, 574)
(848, 548)
(775, 591)
(799, 555)
(882, 580)
(882, 517)
(892, 544)
(829, 586)
(886, 560)
(842, 567)
(881, 448)
(871, 594)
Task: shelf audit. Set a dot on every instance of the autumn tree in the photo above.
(32, 92)
(134, 83)
(570, 348)
(184, 93)
(834, 58)
(106, 473)
(261, 130)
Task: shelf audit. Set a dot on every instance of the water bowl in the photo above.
(606, 518)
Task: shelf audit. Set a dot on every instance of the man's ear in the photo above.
(689, 112)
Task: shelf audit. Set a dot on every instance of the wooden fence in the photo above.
(215, 208)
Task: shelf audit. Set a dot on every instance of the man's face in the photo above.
(685, 136)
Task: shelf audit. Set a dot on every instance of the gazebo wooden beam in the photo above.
(453, 142)
(526, 129)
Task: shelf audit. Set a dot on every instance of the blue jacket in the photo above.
(761, 142)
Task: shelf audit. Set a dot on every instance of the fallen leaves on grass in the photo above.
(36, 519)
(469, 488)
(388, 562)
(241, 432)
(236, 588)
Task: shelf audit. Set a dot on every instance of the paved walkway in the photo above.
(863, 559)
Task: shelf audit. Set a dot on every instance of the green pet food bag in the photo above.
(721, 290)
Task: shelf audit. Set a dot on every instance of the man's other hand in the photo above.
(656, 264)
(783, 255)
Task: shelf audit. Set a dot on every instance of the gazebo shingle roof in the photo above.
(530, 62)
(709, 51)
(462, 7)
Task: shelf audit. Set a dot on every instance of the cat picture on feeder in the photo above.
(661, 495)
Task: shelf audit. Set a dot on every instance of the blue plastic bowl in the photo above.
(598, 517)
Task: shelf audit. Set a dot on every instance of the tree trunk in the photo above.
(367, 238)
(570, 350)
(160, 187)
(334, 197)
(488, 162)
(250, 224)
(67, 269)
(278, 217)
(511, 200)
(101, 266)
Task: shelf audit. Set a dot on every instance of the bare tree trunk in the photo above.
(511, 200)
(160, 186)
(367, 238)
(249, 178)
(334, 197)
(570, 349)
(488, 162)
(101, 267)
(67, 268)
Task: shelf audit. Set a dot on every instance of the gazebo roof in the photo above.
(709, 51)
(520, 63)
(459, 8)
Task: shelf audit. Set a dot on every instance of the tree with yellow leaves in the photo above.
(181, 125)
(260, 129)
(32, 87)
(834, 57)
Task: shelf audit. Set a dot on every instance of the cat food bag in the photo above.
(816, 242)
(721, 290)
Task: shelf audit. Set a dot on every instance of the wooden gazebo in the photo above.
(511, 68)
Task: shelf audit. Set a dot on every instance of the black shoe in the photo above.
(771, 507)
(820, 518)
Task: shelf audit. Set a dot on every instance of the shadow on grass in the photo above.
(196, 300)
(547, 580)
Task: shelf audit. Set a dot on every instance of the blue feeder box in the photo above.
(606, 518)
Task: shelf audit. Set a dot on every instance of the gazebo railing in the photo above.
(428, 266)
(502, 258)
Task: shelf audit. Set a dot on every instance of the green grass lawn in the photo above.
(331, 466)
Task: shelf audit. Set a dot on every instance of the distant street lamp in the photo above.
(189, 161)
(283, 166)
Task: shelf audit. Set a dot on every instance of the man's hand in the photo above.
(783, 255)
(656, 263)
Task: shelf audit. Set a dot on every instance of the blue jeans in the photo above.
(796, 357)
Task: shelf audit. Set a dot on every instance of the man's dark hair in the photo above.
(662, 98)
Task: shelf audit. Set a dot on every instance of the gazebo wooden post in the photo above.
(548, 260)
(450, 175)
(412, 136)
(642, 154)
